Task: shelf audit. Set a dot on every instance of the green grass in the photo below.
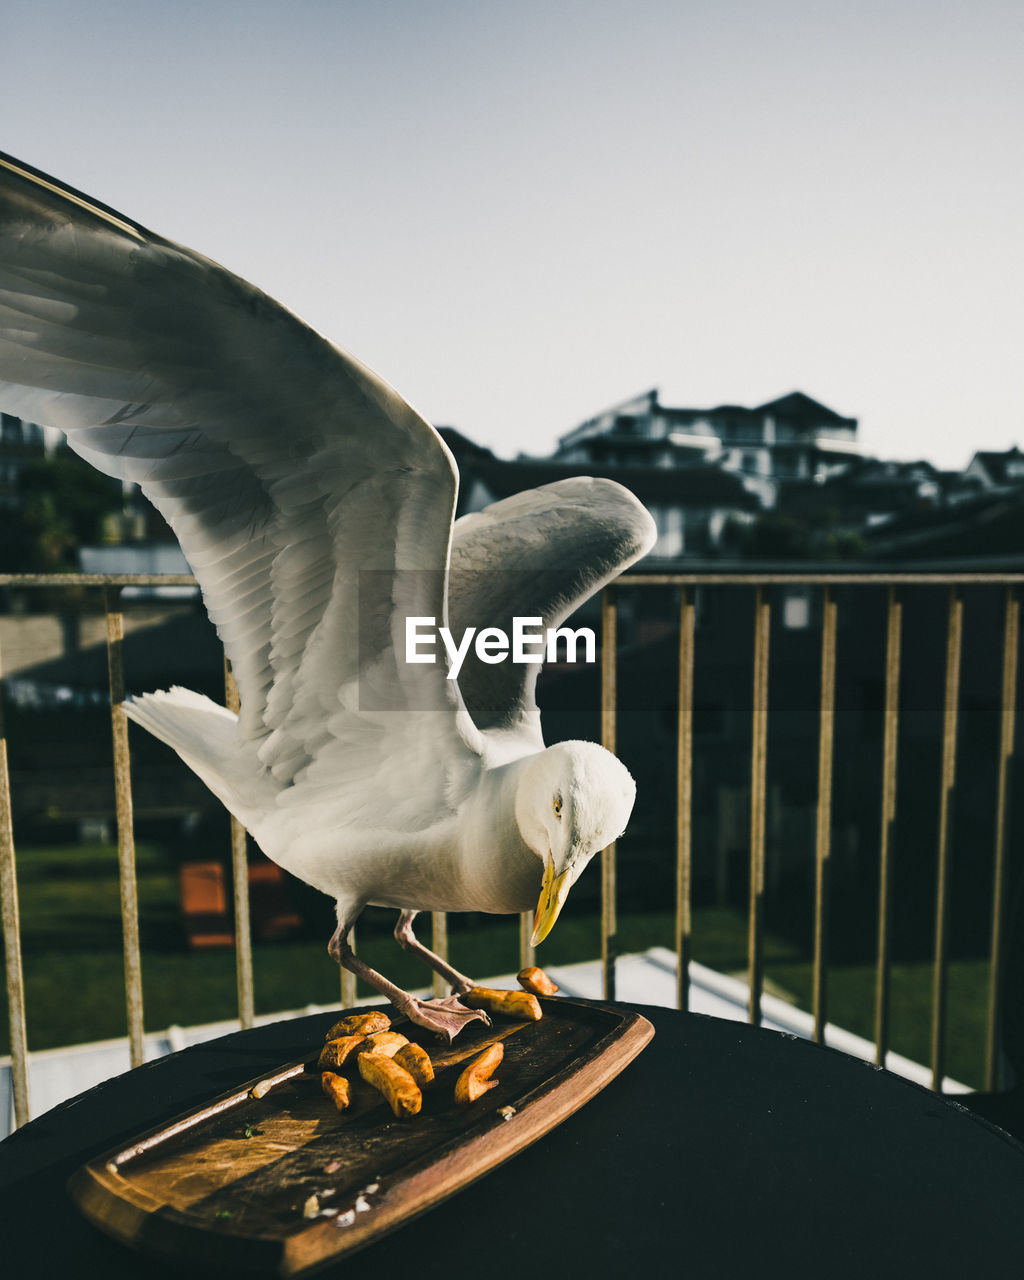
(71, 943)
(851, 1004)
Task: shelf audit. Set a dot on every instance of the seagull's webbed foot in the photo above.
(446, 1017)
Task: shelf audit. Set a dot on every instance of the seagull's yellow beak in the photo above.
(553, 893)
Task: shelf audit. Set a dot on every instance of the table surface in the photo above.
(723, 1148)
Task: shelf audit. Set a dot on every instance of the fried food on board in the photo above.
(336, 1053)
(337, 1089)
(399, 1069)
(386, 1042)
(506, 1004)
(537, 981)
(360, 1024)
(394, 1082)
(476, 1079)
(416, 1061)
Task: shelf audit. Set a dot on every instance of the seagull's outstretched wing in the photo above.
(296, 481)
(540, 553)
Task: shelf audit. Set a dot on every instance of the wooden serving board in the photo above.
(227, 1183)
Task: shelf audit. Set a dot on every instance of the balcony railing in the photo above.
(686, 587)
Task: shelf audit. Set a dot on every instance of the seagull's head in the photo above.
(572, 800)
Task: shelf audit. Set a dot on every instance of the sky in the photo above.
(521, 214)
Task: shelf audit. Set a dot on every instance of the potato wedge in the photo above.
(417, 1062)
(337, 1089)
(360, 1024)
(386, 1042)
(336, 1053)
(476, 1079)
(507, 1004)
(396, 1084)
(537, 981)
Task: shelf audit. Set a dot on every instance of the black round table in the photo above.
(723, 1150)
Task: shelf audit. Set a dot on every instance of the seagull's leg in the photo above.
(409, 942)
(446, 1017)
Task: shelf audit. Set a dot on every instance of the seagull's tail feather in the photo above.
(205, 735)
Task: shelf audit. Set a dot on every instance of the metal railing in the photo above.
(111, 586)
(828, 582)
(686, 585)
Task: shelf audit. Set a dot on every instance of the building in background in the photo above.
(997, 470)
(784, 479)
(694, 507)
(793, 437)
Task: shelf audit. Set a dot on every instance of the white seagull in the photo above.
(316, 508)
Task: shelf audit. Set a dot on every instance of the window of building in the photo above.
(670, 531)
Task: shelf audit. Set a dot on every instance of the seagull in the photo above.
(316, 510)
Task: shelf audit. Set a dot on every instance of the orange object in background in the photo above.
(273, 915)
(206, 906)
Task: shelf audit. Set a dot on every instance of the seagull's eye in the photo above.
(558, 806)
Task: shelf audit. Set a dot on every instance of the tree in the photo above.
(62, 504)
(777, 535)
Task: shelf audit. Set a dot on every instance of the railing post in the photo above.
(1007, 732)
(609, 947)
(823, 840)
(439, 946)
(125, 826)
(348, 978)
(947, 786)
(526, 949)
(894, 628)
(244, 981)
(758, 804)
(684, 803)
(12, 935)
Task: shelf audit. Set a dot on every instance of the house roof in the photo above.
(996, 464)
(797, 406)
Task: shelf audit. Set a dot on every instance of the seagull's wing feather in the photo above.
(297, 482)
(540, 553)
